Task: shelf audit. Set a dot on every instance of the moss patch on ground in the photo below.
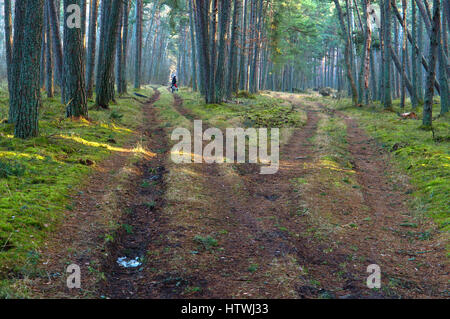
(424, 158)
(260, 110)
(38, 176)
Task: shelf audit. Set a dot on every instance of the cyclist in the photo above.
(174, 83)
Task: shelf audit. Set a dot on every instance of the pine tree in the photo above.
(92, 43)
(74, 67)
(105, 75)
(27, 97)
(432, 57)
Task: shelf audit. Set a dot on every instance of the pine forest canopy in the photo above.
(367, 50)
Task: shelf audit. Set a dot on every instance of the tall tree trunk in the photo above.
(203, 39)
(242, 72)
(256, 52)
(105, 69)
(414, 55)
(193, 47)
(365, 57)
(198, 42)
(381, 55)
(387, 97)
(233, 67)
(126, 11)
(138, 44)
(49, 52)
(368, 47)
(42, 68)
(8, 39)
(373, 75)
(347, 53)
(16, 59)
(420, 50)
(92, 43)
(349, 17)
(119, 51)
(251, 46)
(83, 20)
(404, 57)
(224, 20)
(429, 88)
(74, 68)
(26, 125)
(56, 39)
(213, 58)
(442, 68)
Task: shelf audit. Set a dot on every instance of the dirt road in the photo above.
(335, 207)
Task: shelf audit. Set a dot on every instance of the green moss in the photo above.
(38, 176)
(251, 111)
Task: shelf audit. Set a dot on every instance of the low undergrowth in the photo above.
(39, 175)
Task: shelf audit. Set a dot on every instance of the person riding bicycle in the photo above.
(174, 83)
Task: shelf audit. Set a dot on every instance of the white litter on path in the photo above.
(129, 263)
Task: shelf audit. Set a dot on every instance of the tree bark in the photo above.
(403, 73)
(119, 51)
(138, 44)
(49, 54)
(92, 43)
(242, 69)
(123, 77)
(224, 19)
(387, 98)
(233, 76)
(213, 57)
(105, 69)
(442, 69)
(193, 47)
(255, 61)
(56, 39)
(28, 102)
(203, 39)
(347, 53)
(74, 68)
(414, 53)
(8, 39)
(16, 59)
(427, 114)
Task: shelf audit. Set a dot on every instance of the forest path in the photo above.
(225, 231)
(235, 250)
(141, 219)
(254, 240)
(308, 231)
(369, 222)
(87, 237)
